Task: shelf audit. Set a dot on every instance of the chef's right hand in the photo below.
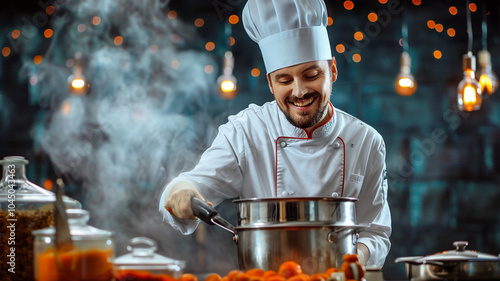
(178, 199)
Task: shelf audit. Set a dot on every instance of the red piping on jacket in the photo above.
(309, 136)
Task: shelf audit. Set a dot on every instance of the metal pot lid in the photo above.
(142, 253)
(459, 254)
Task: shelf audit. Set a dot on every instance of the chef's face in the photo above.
(303, 91)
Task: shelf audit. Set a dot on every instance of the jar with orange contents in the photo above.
(90, 257)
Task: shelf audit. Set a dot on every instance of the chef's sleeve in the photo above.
(373, 207)
(217, 176)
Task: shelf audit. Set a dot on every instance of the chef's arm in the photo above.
(363, 253)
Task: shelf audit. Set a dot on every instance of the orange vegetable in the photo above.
(93, 265)
(289, 269)
(230, 276)
(299, 277)
(269, 273)
(213, 277)
(276, 278)
(255, 272)
(319, 277)
(188, 277)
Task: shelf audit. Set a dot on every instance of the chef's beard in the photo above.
(307, 119)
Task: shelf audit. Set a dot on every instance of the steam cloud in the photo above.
(141, 122)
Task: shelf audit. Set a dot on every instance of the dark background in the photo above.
(441, 189)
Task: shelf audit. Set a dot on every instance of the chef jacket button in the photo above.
(284, 193)
(283, 144)
(336, 145)
(335, 194)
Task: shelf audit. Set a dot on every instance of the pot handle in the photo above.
(203, 210)
(209, 215)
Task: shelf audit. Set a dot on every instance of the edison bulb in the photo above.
(469, 94)
(77, 84)
(487, 78)
(227, 86)
(405, 84)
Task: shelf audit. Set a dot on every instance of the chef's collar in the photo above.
(296, 132)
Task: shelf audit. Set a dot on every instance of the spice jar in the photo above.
(24, 207)
(90, 258)
(143, 264)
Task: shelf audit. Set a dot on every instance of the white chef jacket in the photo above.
(259, 154)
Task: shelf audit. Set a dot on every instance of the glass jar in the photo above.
(24, 207)
(143, 264)
(90, 259)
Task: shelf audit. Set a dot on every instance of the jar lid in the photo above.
(78, 227)
(14, 183)
(142, 253)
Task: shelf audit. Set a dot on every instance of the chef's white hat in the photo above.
(288, 32)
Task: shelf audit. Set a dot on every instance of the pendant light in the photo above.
(469, 95)
(405, 84)
(487, 78)
(227, 81)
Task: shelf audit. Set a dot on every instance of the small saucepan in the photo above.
(458, 264)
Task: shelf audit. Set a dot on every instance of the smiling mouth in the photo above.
(303, 102)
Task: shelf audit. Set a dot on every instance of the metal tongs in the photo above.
(209, 215)
(62, 236)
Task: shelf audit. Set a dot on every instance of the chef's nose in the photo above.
(299, 88)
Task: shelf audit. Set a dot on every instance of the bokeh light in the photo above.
(358, 35)
(437, 54)
(340, 48)
(348, 5)
(210, 46)
(416, 2)
(38, 59)
(382, 1)
(356, 57)
(431, 24)
(209, 69)
(439, 27)
(5, 51)
(172, 15)
(50, 10)
(453, 10)
(153, 48)
(81, 27)
(372, 17)
(118, 40)
(231, 41)
(48, 33)
(255, 72)
(199, 22)
(451, 32)
(175, 64)
(472, 7)
(330, 21)
(96, 20)
(233, 19)
(15, 33)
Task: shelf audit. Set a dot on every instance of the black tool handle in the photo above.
(203, 210)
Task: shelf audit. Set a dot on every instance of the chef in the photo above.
(298, 145)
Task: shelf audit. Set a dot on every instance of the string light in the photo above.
(405, 84)
(77, 83)
(469, 95)
(487, 78)
(469, 91)
(227, 82)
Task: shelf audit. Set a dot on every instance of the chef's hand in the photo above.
(178, 199)
(363, 254)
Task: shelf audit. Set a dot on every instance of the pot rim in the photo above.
(295, 224)
(292, 199)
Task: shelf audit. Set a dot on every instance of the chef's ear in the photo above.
(268, 76)
(334, 70)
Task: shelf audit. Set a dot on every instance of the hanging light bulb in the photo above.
(405, 84)
(487, 78)
(77, 83)
(227, 81)
(469, 95)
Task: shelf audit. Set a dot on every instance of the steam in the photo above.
(141, 122)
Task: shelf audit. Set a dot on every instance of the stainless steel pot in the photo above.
(314, 232)
(458, 264)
